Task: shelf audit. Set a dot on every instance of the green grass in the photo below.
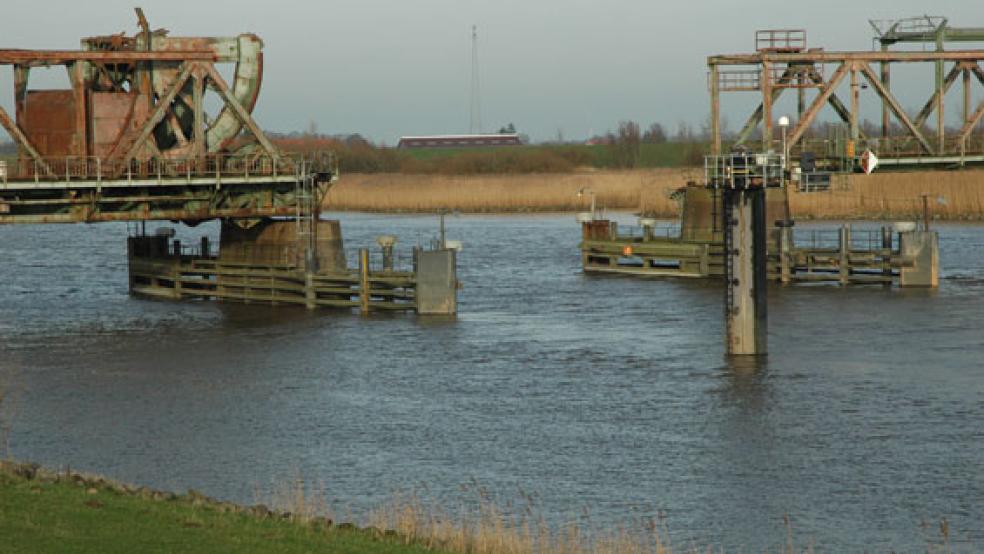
(41, 515)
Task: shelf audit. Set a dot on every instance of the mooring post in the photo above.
(844, 264)
(746, 318)
(310, 296)
(364, 280)
(785, 249)
(886, 255)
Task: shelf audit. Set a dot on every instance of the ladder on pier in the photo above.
(305, 201)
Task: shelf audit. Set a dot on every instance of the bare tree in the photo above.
(685, 133)
(625, 150)
(654, 134)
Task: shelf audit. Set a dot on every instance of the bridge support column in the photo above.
(746, 320)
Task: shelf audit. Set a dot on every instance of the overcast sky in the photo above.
(386, 68)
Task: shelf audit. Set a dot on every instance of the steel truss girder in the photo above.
(965, 61)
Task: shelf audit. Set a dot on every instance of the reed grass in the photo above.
(489, 529)
(953, 195)
(614, 190)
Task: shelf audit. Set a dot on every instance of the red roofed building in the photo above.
(460, 141)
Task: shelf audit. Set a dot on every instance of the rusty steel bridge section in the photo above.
(132, 139)
(783, 61)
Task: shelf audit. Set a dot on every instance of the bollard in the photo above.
(845, 251)
(886, 256)
(310, 296)
(205, 248)
(364, 280)
(386, 243)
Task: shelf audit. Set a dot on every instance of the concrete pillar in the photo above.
(436, 281)
(745, 272)
(923, 249)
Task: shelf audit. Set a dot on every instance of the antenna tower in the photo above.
(475, 125)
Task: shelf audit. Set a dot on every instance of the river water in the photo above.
(601, 395)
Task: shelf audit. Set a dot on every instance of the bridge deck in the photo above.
(73, 190)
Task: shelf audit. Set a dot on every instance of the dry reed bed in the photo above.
(877, 196)
(952, 195)
(621, 190)
(483, 526)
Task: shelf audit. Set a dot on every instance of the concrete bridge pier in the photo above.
(745, 310)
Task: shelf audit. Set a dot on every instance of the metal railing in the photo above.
(402, 260)
(667, 231)
(212, 166)
(817, 181)
(730, 80)
(744, 170)
(780, 40)
(861, 240)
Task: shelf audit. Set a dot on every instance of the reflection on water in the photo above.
(606, 393)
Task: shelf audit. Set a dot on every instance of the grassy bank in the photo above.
(46, 511)
(877, 196)
(66, 512)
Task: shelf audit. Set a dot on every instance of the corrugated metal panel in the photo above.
(49, 122)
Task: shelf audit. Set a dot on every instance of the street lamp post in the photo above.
(788, 220)
(784, 124)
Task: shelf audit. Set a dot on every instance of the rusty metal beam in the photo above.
(163, 106)
(240, 111)
(835, 102)
(971, 122)
(855, 105)
(811, 113)
(893, 103)
(715, 111)
(766, 107)
(30, 58)
(77, 78)
(976, 69)
(840, 57)
(175, 125)
(101, 68)
(756, 118)
(198, 107)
